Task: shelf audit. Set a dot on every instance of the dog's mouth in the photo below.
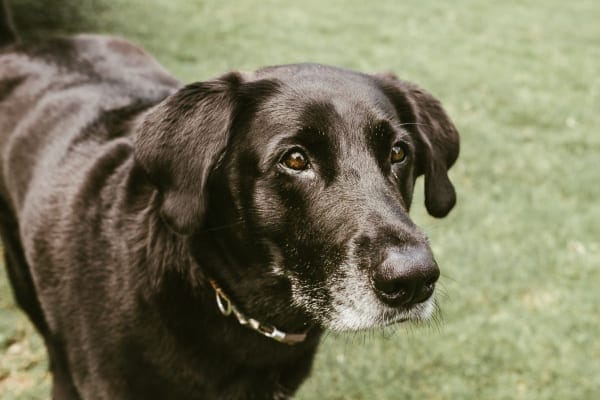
(355, 321)
(420, 312)
(363, 310)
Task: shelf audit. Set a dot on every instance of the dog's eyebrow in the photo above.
(385, 130)
(381, 135)
(380, 132)
(318, 115)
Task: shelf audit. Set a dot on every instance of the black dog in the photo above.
(135, 212)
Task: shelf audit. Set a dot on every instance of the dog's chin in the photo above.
(358, 315)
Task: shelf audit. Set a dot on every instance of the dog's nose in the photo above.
(406, 276)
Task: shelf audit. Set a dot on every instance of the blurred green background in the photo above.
(520, 255)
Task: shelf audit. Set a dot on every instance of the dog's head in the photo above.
(301, 177)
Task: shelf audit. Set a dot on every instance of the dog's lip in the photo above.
(400, 320)
(401, 315)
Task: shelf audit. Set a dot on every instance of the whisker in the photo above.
(446, 276)
(413, 123)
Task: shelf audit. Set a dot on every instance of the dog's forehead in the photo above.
(315, 82)
(322, 98)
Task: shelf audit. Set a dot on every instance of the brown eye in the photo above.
(398, 154)
(295, 160)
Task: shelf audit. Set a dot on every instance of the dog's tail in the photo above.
(7, 30)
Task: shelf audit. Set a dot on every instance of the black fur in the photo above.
(122, 191)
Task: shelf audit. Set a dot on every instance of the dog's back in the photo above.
(63, 92)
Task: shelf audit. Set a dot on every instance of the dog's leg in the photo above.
(18, 271)
(26, 297)
(62, 383)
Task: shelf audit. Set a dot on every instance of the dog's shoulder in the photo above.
(65, 98)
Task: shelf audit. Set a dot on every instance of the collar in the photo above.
(227, 308)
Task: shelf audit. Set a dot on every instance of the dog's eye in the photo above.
(398, 154)
(296, 160)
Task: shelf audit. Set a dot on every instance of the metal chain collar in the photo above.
(227, 308)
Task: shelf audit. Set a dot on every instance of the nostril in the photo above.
(430, 283)
(425, 291)
(395, 292)
(387, 287)
(392, 288)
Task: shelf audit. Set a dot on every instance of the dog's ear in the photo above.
(178, 143)
(436, 137)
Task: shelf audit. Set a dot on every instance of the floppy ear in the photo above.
(436, 137)
(178, 143)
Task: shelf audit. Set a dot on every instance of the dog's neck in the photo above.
(184, 304)
(228, 308)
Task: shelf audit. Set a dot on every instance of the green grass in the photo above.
(520, 255)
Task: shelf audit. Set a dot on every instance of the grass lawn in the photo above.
(520, 255)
